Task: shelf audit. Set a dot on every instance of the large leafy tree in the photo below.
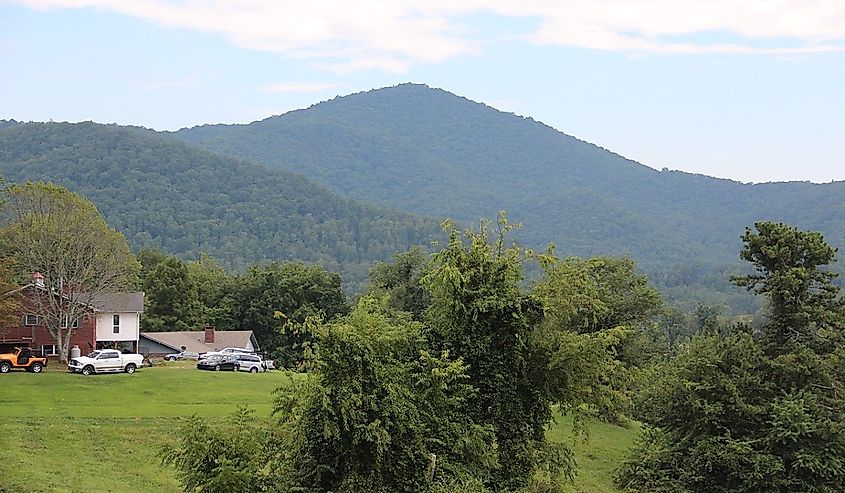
(589, 295)
(381, 413)
(212, 283)
(9, 295)
(270, 300)
(600, 294)
(401, 280)
(755, 412)
(171, 298)
(520, 364)
(480, 314)
(53, 231)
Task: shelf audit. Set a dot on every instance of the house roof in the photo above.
(104, 302)
(119, 302)
(195, 341)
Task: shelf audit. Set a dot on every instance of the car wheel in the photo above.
(130, 368)
(216, 367)
(236, 368)
(36, 368)
(87, 370)
(254, 369)
(5, 367)
(171, 358)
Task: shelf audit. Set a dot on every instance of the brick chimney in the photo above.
(38, 279)
(209, 334)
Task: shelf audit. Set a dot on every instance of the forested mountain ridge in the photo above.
(187, 200)
(431, 152)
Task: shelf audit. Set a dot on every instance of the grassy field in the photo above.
(69, 433)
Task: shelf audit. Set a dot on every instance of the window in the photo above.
(49, 350)
(30, 319)
(75, 322)
(116, 324)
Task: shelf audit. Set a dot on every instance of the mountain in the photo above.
(431, 152)
(186, 200)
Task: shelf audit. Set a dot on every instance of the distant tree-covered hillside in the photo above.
(186, 200)
(431, 152)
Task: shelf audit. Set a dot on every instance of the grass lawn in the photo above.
(70, 433)
(597, 458)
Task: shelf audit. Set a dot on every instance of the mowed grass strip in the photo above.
(170, 390)
(72, 433)
(87, 454)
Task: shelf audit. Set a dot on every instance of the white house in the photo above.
(118, 320)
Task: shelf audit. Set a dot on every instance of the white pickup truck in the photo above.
(104, 361)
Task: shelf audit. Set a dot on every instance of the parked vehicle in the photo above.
(227, 351)
(219, 362)
(183, 356)
(21, 358)
(106, 361)
(250, 362)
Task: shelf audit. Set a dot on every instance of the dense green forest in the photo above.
(430, 152)
(187, 201)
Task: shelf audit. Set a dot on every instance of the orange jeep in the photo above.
(22, 358)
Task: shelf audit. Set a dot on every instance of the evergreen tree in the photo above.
(766, 414)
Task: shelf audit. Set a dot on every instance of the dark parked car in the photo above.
(219, 363)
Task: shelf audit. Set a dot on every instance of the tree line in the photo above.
(268, 299)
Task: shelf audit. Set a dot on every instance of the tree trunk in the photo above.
(62, 340)
(63, 355)
(60, 346)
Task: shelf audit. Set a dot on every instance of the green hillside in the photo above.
(431, 152)
(187, 201)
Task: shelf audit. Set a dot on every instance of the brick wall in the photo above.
(36, 336)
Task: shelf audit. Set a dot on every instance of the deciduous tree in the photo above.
(520, 365)
(9, 295)
(171, 298)
(53, 231)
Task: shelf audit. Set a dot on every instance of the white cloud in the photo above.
(393, 35)
(786, 27)
(285, 87)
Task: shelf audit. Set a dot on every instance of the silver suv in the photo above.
(250, 362)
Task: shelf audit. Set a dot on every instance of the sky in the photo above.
(752, 90)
